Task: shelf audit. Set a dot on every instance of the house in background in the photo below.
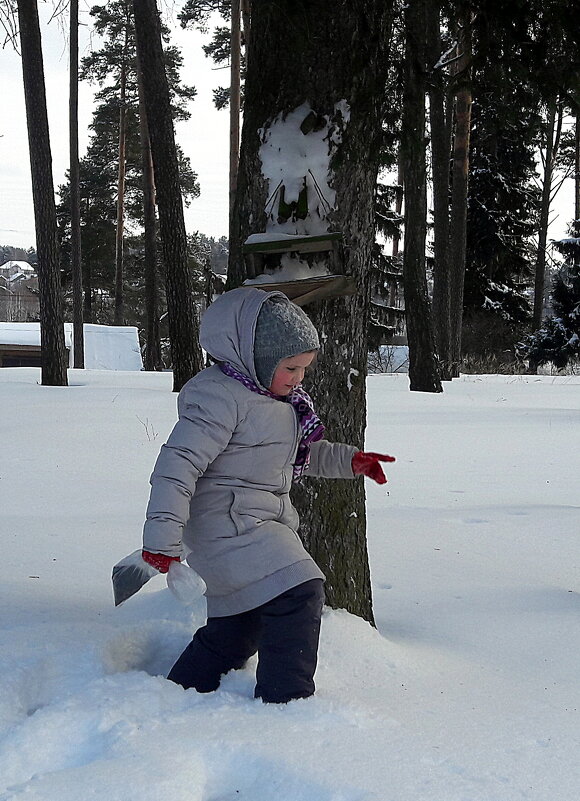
(107, 347)
(18, 292)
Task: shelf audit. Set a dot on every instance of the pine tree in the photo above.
(116, 120)
(525, 52)
(75, 197)
(182, 316)
(558, 340)
(423, 372)
(440, 129)
(386, 318)
(53, 370)
(99, 169)
(197, 13)
(226, 45)
(387, 314)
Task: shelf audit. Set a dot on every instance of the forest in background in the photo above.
(505, 72)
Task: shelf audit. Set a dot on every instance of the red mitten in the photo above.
(368, 464)
(159, 561)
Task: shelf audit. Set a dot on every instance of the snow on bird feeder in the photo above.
(295, 155)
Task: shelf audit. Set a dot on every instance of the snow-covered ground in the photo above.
(468, 691)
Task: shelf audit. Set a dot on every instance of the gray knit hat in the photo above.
(282, 330)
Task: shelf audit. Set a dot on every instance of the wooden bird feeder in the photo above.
(260, 248)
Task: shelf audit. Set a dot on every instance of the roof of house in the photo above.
(17, 266)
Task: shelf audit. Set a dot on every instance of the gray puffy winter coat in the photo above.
(220, 487)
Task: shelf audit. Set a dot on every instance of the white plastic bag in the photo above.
(185, 584)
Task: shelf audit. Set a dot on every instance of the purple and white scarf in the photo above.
(310, 423)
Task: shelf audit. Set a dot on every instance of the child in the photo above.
(220, 493)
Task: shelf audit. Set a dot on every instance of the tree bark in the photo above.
(152, 359)
(75, 198)
(53, 353)
(183, 324)
(235, 89)
(440, 157)
(324, 54)
(423, 374)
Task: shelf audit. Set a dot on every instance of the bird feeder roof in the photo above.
(284, 243)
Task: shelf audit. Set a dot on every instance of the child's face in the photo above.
(290, 372)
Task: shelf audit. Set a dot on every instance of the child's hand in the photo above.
(368, 464)
(159, 561)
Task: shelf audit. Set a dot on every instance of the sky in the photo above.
(204, 137)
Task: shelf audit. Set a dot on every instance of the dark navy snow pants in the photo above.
(284, 632)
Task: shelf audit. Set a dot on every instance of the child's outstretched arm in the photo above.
(331, 459)
(337, 460)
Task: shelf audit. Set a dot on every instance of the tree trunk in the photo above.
(440, 155)
(75, 199)
(87, 272)
(235, 63)
(576, 228)
(152, 343)
(577, 173)
(183, 324)
(540, 273)
(119, 294)
(423, 373)
(336, 60)
(87, 291)
(460, 172)
(53, 354)
(399, 192)
(246, 22)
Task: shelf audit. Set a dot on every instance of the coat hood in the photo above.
(228, 327)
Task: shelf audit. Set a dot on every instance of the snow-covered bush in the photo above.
(389, 359)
